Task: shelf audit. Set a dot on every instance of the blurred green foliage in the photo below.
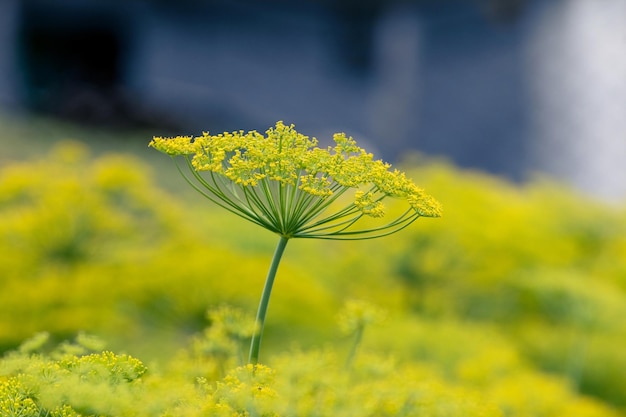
(515, 298)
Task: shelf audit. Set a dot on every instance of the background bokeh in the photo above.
(513, 87)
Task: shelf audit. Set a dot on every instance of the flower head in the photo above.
(285, 183)
(357, 314)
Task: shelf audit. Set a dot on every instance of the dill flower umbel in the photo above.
(284, 182)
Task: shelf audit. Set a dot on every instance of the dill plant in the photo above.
(285, 183)
(353, 318)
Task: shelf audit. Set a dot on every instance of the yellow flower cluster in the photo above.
(286, 183)
(14, 399)
(358, 314)
(223, 338)
(34, 384)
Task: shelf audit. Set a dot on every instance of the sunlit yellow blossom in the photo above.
(367, 203)
(248, 390)
(285, 183)
(318, 186)
(14, 399)
(179, 145)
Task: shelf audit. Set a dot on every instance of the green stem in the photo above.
(255, 345)
(357, 341)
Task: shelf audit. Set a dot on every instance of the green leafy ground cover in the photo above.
(511, 304)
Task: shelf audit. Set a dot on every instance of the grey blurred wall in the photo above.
(8, 44)
(576, 65)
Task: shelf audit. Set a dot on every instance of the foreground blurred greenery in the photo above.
(517, 295)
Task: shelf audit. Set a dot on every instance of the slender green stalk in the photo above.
(355, 345)
(255, 345)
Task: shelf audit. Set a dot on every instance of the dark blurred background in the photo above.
(512, 87)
